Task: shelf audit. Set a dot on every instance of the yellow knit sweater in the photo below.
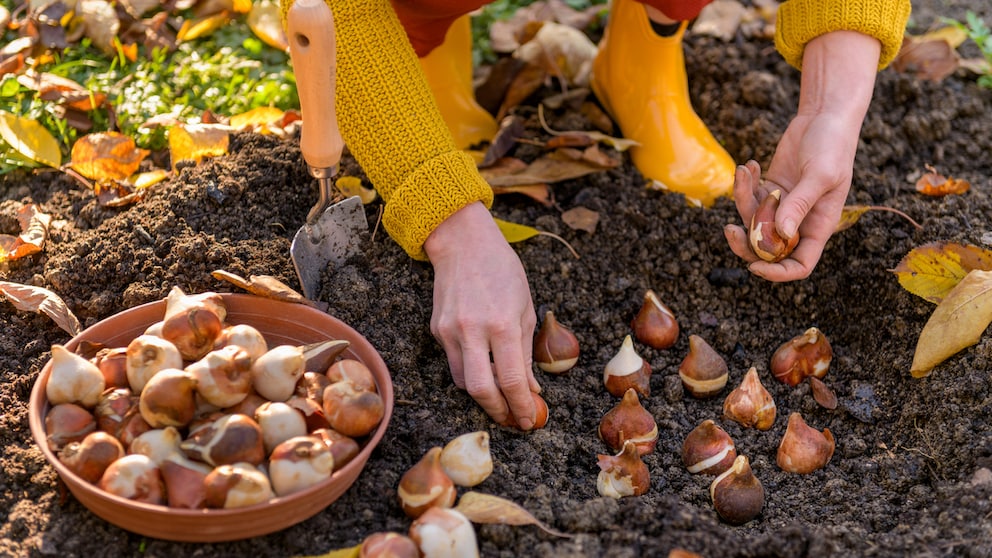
(393, 128)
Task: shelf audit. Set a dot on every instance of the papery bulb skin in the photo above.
(627, 370)
(802, 356)
(178, 301)
(467, 460)
(168, 399)
(444, 533)
(703, 371)
(237, 485)
(623, 474)
(146, 356)
(158, 444)
(708, 449)
(73, 379)
(655, 324)
(804, 449)
(426, 485)
(556, 348)
(91, 457)
(279, 422)
(185, 481)
(135, 477)
(299, 463)
(629, 420)
(764, 237)
(343, 448)
(750, 404)
(737, 495)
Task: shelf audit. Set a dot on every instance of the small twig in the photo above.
(79, 178)
(562, 240)
(378, 220)
(897, 212)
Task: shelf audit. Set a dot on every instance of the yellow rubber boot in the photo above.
(449, 74)
(641, 80)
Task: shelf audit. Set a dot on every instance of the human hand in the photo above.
(813, 162)
(483, 314)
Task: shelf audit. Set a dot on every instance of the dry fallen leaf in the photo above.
(488, 509)
(30, 139)
(539, 192)
(37, 299)
(852, 213)
(720, 19)
(352, 186)
(514, 232)
(822, 393)
(102, 24)
(556, 166)
(106, 156)
(34, 231)
(581, 218)
(931, 271)
(196, 29)
(926, 58)
(957, 323)
(264, 21)
(562, 51)
(620, 144)
(932, 183)
(194, 142)
(257, 119)
(266, 286)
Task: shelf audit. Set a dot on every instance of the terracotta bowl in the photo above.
(282, 323)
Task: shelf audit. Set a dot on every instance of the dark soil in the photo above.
(910, 475)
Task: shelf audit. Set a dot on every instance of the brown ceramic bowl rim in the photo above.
(359, 348)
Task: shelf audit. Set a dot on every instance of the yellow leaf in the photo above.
(260, 117)
(265, 22)
(30, 139)
(106, 156)
(150, 178)
(932, 270)
(852, 213)
(242, 6)
(486, 508)
(191, 30)
(957, 323)
(954, 36)
(352, 186)
(352, 552)
(37, 299)
(195, 141)
(513, 232)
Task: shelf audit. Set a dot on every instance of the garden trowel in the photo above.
(334, 230)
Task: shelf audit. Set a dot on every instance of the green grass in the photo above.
(979, 32)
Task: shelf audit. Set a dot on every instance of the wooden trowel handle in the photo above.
(310, 31)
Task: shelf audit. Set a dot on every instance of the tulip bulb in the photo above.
(804, 449)
(193, 330)
(343, 448)
(244, 336)
(279, 422)
(91, 457)
(223, 376)
(737, 494)
(274, 374)
(444, 533)
(388, 545)
(352, 411)
(185, 481)
(556, 349)
(540, 417)
(765, 239)
(750, 404)
(805, 355)
(135, 477)
(73, 379)
(655, 324)
(112, 362)
(66, 423)
(466, 459)
(146, 355)
(627, 370)
(227, 440)
(623, 474)
(158, 444)
(629, 420)
(299, 463)
(703, 370)
(354, 371)
(178, 301)
(168, 399)
(426, 485)
(708, 449)
(237, 485)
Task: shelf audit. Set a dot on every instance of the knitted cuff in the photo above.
(801, 21)
(427, 197)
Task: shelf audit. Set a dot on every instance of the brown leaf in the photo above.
(822, 393)
(37, 299)
(720, 19)
(932, 183)
(932, 59)
(957, 323)
(486, 508)
(569, 139)
(34, 232)
(510, 128)
(266, 286)
(540, 192)
(581, 218)
(553, 167)
(106, 156)
(931, 271)
(528, 80)
(562, 51)
(102, 24)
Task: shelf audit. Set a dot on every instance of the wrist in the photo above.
(463, 227)
(838, 75)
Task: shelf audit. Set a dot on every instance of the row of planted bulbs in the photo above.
(631, 430)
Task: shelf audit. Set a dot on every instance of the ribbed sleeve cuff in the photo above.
(429, 195)
(801, 21)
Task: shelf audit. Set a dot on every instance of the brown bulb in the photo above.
(540, 418)
(426, 485)
(802, 356)
(655, 324)
(66, 423)
(91, 457)
(804, 449)
(765, 240)
(627, 370)
(623, 474)
(193, 330)
(737, 494)
(708, 449)
(556, 349)
(229, 439)
(629, 420)
(750, 404)
(703, 371)
(388, 545)
(352, 411)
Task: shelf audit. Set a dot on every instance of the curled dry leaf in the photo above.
(932, 270)
(957, 323)
(581, 218)
(352, 186)
(540, 193)
(927, 57)
(37, 299)
(34, 231)
(720, 19)
(562, 51)
(486, 508)
(933, 183)
(106, 156)
(196, 29)
(822, 393)
(266, 286)
(620, 144)
(260, 120)
(265, 23)
(194, 142)
(101, 22)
